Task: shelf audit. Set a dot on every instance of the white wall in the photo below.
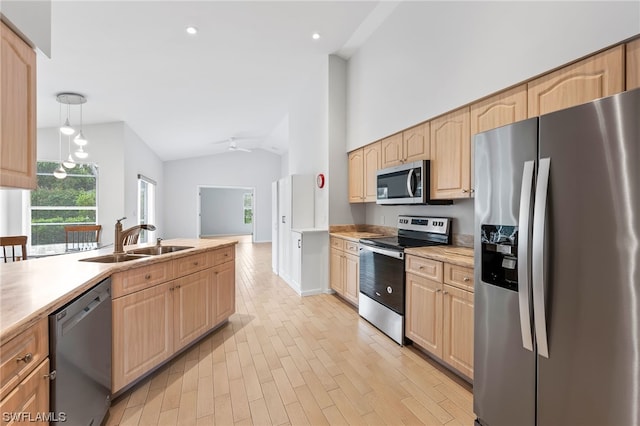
(11, 212)
(222, 211)
(430, 57)
(31, 18)
(140, 159)
(256, 169)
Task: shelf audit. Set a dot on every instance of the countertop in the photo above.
(354, 235)
(34, 288)
(461, 256)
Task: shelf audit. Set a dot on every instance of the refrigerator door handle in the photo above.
(524, 286)
(538, 272)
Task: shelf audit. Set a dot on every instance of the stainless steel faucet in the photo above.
(121, 235)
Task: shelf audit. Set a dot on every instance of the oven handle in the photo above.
(386, 252)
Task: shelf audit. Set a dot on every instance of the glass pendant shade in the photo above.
(60, 172)
(81, 153)
(69, 163)
(66, 128)
(80, 140)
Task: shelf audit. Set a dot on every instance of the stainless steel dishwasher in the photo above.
(80, 352)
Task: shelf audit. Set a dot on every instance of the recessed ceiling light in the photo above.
(191, 30)
(315, 36)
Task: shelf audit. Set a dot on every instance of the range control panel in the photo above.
(436, 225)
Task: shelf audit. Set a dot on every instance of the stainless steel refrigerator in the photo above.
(557, 268)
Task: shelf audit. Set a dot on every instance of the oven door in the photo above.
(382, 276)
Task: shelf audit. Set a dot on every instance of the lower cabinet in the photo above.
(150, 325)
(344, 265)
(439, 316)
(29, 401)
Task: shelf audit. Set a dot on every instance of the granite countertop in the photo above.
(354, 235)
(34, 288)
(456, 255)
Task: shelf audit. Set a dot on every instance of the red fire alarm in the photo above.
(320, 180)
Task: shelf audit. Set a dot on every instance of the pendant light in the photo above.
(60, 172)
(69, 163)
(66, 128)
(80, 140)
(81, 153)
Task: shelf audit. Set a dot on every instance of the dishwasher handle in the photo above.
(70, 323)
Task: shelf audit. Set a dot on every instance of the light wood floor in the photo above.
(283, 359)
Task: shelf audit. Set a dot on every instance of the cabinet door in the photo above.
(18, 111)
(142, 333)
(595, 77)
(392, 154)
(223, 292)
(451, 156)
(499, 110)
(424, 313)
(372, 163)
(415, 143)
(351, 278)
(356, 170)
(633, 64)
(296, 258)
(457, 349)
(30, 398)
(336, 274)
(191, 307)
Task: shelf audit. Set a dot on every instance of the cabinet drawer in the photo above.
(191, 264)
(137, 279)
(224, 255)
(351, 247)
(337, 243)
(458, 276)
(20, 355)
(423, 267)
(30, 397)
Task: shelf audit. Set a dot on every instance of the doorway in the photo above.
(226, 211)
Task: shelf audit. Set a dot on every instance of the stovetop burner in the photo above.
(415, 231)
(398, 242)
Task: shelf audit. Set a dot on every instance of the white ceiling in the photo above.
(135, 63)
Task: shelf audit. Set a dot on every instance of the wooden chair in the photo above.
(81, 237)
(13, 242)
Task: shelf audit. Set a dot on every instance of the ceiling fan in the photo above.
(233, 144)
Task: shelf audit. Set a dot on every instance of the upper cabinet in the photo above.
(17, 112)
(451, 156)
(363, 164)
(633, 64)
(595, 77)
(499, 110)
(410, 145)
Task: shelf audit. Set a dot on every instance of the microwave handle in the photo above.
(410, 182)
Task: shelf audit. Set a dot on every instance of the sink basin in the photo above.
(156, 250)
(115, 258)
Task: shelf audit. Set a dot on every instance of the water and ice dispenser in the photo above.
(499, 258)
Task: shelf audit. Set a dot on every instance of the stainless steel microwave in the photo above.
(405, 184)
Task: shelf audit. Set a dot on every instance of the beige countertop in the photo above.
(354, 235)
(461, 256)
(35, 288)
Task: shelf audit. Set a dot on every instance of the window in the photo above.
(59, 202)
(146, 205)
(247, 201)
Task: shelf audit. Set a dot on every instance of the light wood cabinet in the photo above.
(595, 77)
(363, 165)
(451, 156)
(633, 64)
(127, 282)
(423, 321)
(17, 111)
(499, 110)
(439, 310)
(30, 399)
(223, 290)
(344, 269)
(152, 323)
(410, 145)
(457, 325)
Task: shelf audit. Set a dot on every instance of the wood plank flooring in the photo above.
(283, 359)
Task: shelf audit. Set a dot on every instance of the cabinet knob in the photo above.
(147, 277)
(195, 263)
(438, 291)
(466, 279)
(464, 191)
(26, 358)
(445, 292)
(421, 267)
(51, 376)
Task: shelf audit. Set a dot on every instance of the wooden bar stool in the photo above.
(81, 237)
(13, 242)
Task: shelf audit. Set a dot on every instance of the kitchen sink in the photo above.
(156, 250)
(115, 258)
